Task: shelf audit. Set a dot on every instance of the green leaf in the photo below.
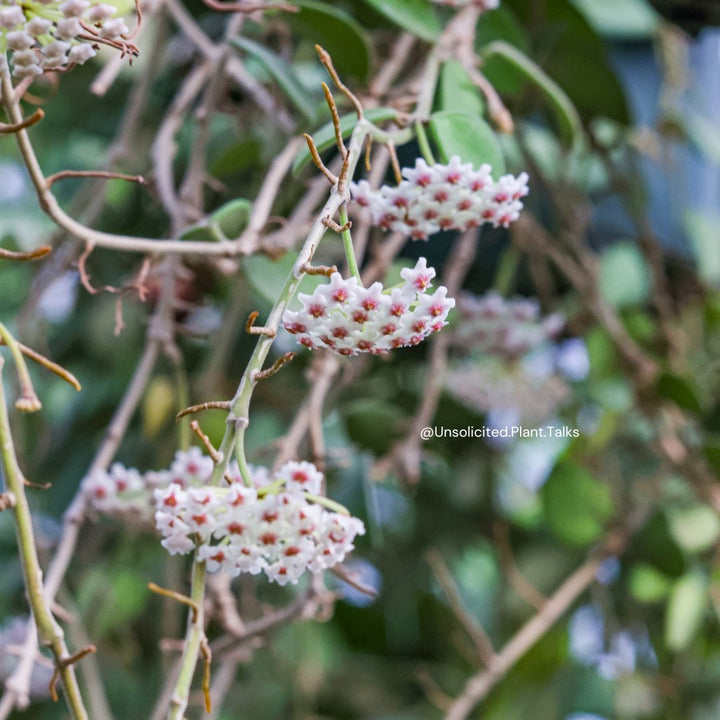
(566, 115)
(232, 217)
(159, 405)
(574, 56)
(702, 229)
(338, 32)
(324, 138)
(501, 24)
(647, 584)
(576, 505)
(655, 544)
(227, 222)
(457, 90)
(267, 277)
(695, 528)
(282, 72)
(373, 424)
(685, 610)
(467, 136)
(415, 16)
(680, 391)
(624, 275)
(620, 19)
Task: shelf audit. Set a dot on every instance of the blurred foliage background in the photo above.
(644, 640)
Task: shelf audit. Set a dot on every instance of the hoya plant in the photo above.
(346, 369)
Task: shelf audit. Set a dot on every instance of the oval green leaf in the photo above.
(686, 607)
(576, 505)
(566, 115)
(338, 32)
(467, 136)
(282, 72)
(416, 16)
(457, 90)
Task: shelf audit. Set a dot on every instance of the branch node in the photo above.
(326, 270)
(328, 222)
(265, 374)
(250, 328)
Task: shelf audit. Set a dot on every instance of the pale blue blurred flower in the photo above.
(58, 299)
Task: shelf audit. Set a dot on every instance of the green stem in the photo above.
(183, 394)
(507, 270)
(424, 143)
(348, 244)
(237, 421)
(26, 387)
(49, 632)
(193, 641)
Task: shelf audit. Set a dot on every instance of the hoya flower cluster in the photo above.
(128, 494)
(253, 529)
(443, 197)
(272, 526)
(509, 328)
(53, 35)
(517, 391)
(348, 318)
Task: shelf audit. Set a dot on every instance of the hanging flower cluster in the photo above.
(508, 328)
(277, 530)
(517, 391)
(443, 197)
(55, 35)
(348, 318)
(277, 526)
(483, 4)
(128, 494)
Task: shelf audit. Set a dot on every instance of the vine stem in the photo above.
(348, 244)
(193, 641)
(238, 418)
(49, 632)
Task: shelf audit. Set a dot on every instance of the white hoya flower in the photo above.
(63, 33)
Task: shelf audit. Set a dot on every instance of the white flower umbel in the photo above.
(346, 317)
(279, 525)
(510, 328)
(439, 197)
(281, 531)
(54, 35)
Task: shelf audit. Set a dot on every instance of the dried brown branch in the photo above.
(335, 121)
(328, 222)
(250, 328)
(326, 270)
(66, 662)
(12, 128)
(480, 684)
(469, 622)
(205, 440)
(317, 160)
(50, 180)
(40, 252)
(326, 60)
(174, 595)
(282, 360)
(211, 405)
(60, 371)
